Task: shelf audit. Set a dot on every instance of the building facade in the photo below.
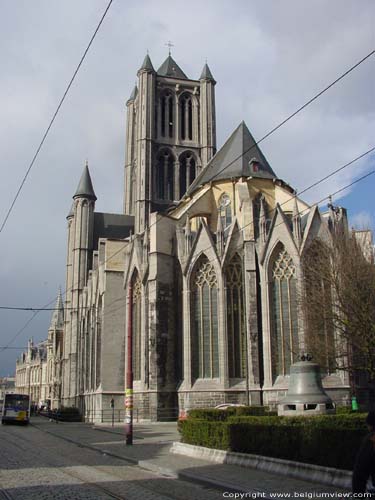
(38, 370)
(203, 270)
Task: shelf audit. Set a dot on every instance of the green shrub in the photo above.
(218, 415)
(205, 433)
(329, 440)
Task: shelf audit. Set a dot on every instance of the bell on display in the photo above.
(305, 394)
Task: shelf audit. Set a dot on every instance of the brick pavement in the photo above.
(151, 451)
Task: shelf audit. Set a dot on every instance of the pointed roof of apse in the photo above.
(171, 68)
(85, 189)
(147, 64)
(57, 320)
(206, 74)
(239, 157)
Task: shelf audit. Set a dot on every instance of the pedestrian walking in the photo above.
(364, 466)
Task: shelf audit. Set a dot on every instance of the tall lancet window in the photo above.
(186, 117)
(165, 175)
(235, 319)
(284, 341)
(187, 171)
(166, 114)
(225, 212)
(99, 321)
(205, 342)
(136, 327)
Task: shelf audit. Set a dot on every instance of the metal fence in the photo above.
(114, 415)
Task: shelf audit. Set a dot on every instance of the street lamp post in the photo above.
(129, 372)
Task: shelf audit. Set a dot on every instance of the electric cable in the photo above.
(226, 166)
(53, 118)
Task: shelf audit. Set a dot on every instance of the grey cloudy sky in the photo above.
(268, 58)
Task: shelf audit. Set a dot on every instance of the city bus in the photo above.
(16, 408)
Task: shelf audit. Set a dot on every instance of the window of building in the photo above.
(186, 117)
(165, 175)
(98, 343)
(187, 171)
(205, 342)
(284, 339)
(225, 211)
(166, 113)
(235, 319)
(319, 320)
(136, 327)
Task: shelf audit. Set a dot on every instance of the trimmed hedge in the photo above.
(331, 441)
(205, 433)
(218, 415)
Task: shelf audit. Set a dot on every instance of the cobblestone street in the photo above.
(37, 465)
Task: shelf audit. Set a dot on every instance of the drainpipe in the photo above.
(129, 373)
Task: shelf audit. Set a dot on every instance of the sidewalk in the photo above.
(150, 450)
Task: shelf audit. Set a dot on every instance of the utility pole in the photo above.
(129, 372)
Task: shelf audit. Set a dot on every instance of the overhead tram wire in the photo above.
(301, 212)
(240, 156)
(295, 113)
(251, 223)
(53, 118)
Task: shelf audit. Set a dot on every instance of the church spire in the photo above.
(206, 74)
(134, 94)
(85, 189)
(57, 320)
(147, 65)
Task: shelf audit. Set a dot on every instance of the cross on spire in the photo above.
(169, 44)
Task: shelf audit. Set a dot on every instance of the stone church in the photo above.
(204, 265)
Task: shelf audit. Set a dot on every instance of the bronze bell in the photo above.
(305, 394)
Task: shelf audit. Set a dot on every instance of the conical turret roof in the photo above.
(171, 68)
(71, 211)
(134, 94)
(147, 64)
(206, 74)
(85, 189)
(239, 157)
(57, 320)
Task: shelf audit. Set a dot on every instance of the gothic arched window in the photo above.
(165, 175)
(136, 327)
(187, 171)
(205, 342)
(99, 321)
(186, 117)
(284, 340)
(225, 212)
(235, 319)
(318, 311)
(166, 112)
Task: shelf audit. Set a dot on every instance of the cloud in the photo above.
(362, 220)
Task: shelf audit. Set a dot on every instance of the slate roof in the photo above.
(147, 64)
(85, 189)
(206, 74)
(134, 94)
(116, 226)
(239, 157)
(172, 69)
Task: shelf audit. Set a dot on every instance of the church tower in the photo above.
(79, 256)
(170, 137)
